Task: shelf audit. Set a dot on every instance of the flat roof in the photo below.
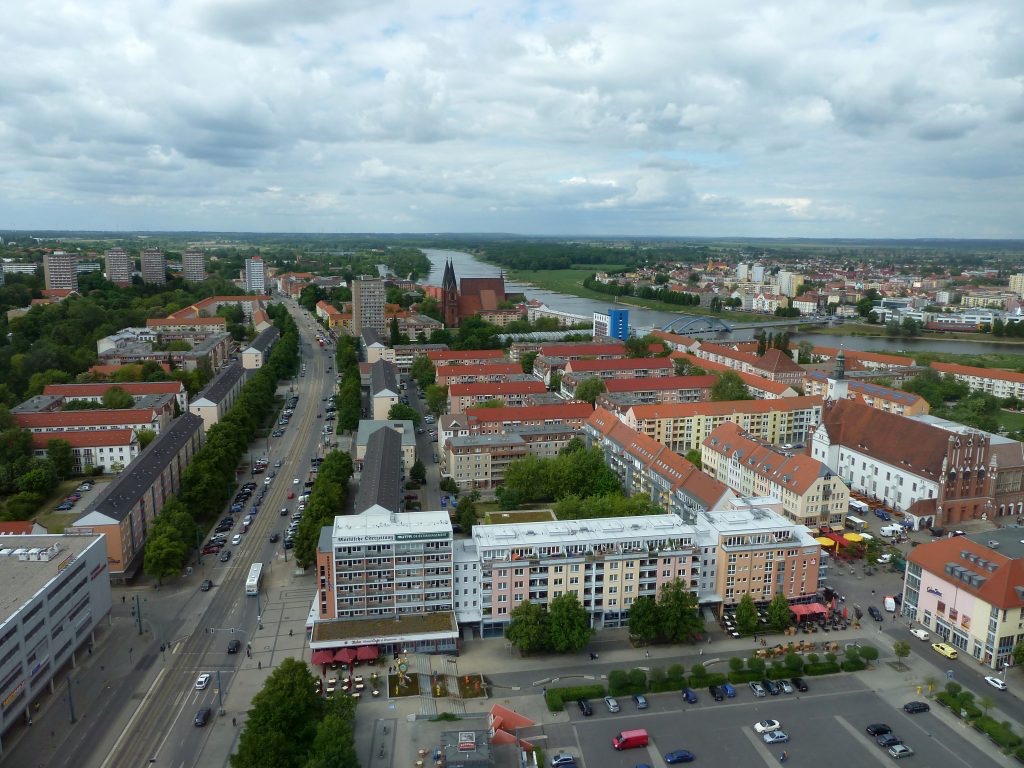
(382, 628)
(21, 579)
(403, 427)
(391, 523)
(567, 532)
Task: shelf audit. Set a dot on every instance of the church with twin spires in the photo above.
(472, 296)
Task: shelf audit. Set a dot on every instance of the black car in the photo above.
(874, 613)
(878, 729)
(288, 544)
(716, 693)
(203, 717)
(206, 586)
(916, 707)
(273, 538)
(771, 686)
(585, 707)
(225, 555)
(888, 740)
(799, 684)
(234, 646)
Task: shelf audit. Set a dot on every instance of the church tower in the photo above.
(449, 297)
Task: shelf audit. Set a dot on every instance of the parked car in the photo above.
(679, 756)
(689, 695)
(585, 707)
(996, 683)
(640, 700)
(900, 751)
(878, 729)
(765, 726)
(775, 737)
(920, 634)
(785, 686)
(916, 707)
(799, 684)
(716, 693)
(757, 689)
(560, 759)
(874, 613)
(771, 686)
(888, 740)
(612, 703)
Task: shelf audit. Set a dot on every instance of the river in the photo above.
(467, 265)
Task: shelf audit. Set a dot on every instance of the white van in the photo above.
(893, 529)
(889, 603)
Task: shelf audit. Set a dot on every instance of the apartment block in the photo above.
(93, 393)
(647, 468)
(991, 381)
(384, 577)
(154, 266)
(255, 276)
(684, 426)
(193, 267)
(621, 368)
(219, 396)
(384, 390)
(368, 299)
(485, 421)
(818, 384)
(445, 357)
(445, 375)
(759, 387)
(811, 493)
(620, 393)
(774, 364)
(513, 394)
(120, 266)
(59, 271)
(479, 461)
(109, 450)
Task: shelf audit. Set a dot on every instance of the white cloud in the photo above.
(589, 116)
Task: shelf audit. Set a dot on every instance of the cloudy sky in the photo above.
(860, 118)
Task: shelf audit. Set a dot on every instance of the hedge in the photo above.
(1001, 733)
(556, 697)
(821, 668)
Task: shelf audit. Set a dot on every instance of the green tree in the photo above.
(526, 360)
(283, 720)
(528, 627)
(555, 381)
(1018, 654)
(418, 472)
(115, 397)
(146, 436)
(588, 389)
(466, 513)
(22, 506)
(437, 399)
(901, 650)
(778, 612)
(403, 412)
(40, 479)
(568, 624)
(422, 370)
(729, 387)
(334, 744)
(494, 402)
(395, 334)
(164, 555)
(61, 458)
(643, 619)
(684, 366)
(746, 615)
(869, 653)
(693, 456)
(678, 615)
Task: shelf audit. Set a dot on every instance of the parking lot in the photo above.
(826, 723)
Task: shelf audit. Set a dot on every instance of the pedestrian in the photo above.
(233, 721)
(122, 599)
(701, 651)
(259, 665)
(647, 654)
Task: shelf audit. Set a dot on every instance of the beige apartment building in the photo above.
(685, 426)
(810, 492)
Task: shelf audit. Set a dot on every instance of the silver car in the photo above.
(612, 703)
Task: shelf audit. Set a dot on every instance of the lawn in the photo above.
(56, 522)
(1011, 421)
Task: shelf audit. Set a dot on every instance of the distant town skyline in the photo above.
(805, 119)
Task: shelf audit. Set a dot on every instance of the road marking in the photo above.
(131, 720)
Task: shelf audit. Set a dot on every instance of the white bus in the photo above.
(252, 584)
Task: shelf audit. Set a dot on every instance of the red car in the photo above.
(291, 494)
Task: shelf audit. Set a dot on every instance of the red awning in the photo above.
(367, 652)
(799, 610)
(323, 657)
(345, 655)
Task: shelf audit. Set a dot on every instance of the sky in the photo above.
(798, 118)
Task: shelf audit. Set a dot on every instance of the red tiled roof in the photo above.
(16, 527)
(480, 369)
(106, 370)
(581, 350)
(496, 388)
(619, 364)
(91, 418)
(85, 438)
(1000, 586)
(158, 321)
(570, 411)
(776, 361)
(446, 355)
(796, 473)
(985, 373)
(920, 449)
(131, 387)
(872, 357)
(661, 383)
(777, 388)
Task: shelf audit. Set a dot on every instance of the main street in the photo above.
(133, 699)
